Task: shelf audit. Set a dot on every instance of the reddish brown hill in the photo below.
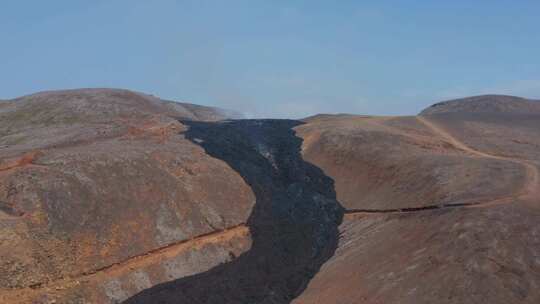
(486, 104)
(485, 252)
(398, 162)
(95, 178)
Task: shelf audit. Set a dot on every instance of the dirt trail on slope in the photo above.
(136, 262)
(529, 192)
(454, 141)
(25, 160)
(531, 187)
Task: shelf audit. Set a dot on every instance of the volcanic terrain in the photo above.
(113, 196)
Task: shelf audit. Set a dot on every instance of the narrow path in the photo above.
(173, 250)
(139, 261)
(531, 187)
(451, 139)
(529, 191)
(25, 160)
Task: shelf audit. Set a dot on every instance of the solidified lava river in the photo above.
(294, 224)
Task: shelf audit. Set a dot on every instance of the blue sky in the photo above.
(275, 58)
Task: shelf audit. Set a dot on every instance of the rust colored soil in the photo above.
(20, 295)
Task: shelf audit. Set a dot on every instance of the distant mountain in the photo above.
(485, 104)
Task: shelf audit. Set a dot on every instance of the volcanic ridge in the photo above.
(114, 196)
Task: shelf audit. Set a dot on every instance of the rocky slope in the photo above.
(95, 178)
(112, 196)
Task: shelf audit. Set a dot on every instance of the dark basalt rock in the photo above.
(293, 224)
